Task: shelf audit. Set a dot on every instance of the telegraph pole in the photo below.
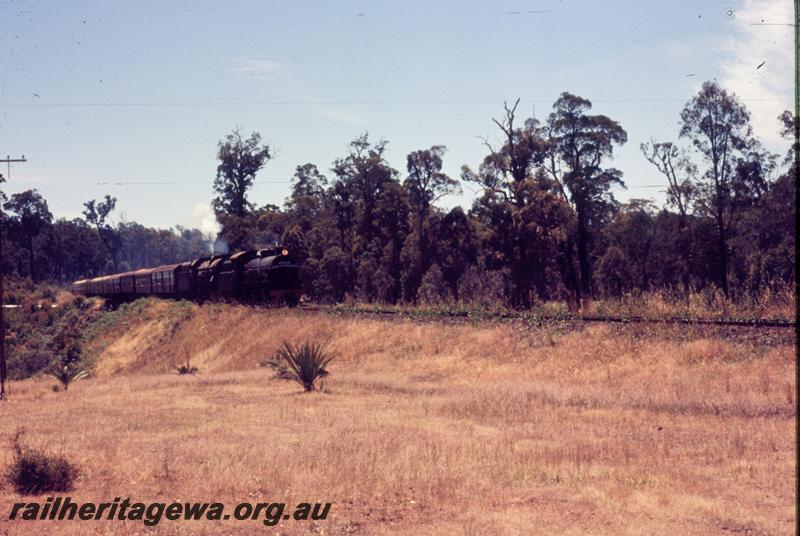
(3, 371)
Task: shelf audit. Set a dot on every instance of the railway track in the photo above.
(424, 314)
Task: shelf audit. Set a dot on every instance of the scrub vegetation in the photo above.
(431, 427)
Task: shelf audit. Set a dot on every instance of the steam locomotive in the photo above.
(263, 275)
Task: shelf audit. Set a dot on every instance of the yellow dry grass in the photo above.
(427, 428)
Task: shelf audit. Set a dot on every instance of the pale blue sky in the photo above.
(142, 91)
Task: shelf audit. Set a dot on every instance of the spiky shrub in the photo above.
(305, 363)
(66, 373)
(34, 471)
(186, 368)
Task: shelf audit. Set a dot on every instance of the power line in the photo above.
(158, 183)
(8, 160)
(337, 103)
(289, 181)
(132, 183)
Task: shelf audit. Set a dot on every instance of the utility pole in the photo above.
(3, 371)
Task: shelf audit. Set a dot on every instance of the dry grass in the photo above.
(709, 303)
(429, 429)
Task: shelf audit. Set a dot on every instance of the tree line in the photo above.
(545, 224)
(62, 250)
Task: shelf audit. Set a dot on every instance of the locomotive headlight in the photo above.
(285, 252)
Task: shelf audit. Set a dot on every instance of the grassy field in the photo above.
(426, 428)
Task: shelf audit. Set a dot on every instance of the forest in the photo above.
(544, 226)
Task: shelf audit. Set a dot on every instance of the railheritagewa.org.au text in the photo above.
(152, 513)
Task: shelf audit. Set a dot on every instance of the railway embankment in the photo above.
(156, 336)
(529, 424)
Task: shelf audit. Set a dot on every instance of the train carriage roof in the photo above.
(244, 254)
(166, 268)
(157, 269)
(203, 263)
(213, 262)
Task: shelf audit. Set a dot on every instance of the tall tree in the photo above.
(578, 143)
(304, 210)
(308, 182)
(392, 213)
(365, 172)
(29, 215)
(97, 214)
(681, 174)
(308, 195)
(790, 129)
(426, 184)
(360, 179)
(239, 161)
(504, 169)
(519, 208)
(718, 125)
(456, 248)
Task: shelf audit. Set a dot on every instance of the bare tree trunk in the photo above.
(569, 276)
(422, 244)
(723, 251)
(583, 254)
(521, 280)
(684, 243)
(30, 259)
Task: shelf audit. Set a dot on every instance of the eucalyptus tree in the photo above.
(98, 215)
(426, 184)
(718, 126)
(525, 222)
(239, 161)
(578, 145)
(29, 216)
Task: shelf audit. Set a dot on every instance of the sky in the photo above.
(131, 98)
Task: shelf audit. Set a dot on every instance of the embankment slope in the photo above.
(428, 428)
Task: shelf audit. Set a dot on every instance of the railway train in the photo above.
(259, 276)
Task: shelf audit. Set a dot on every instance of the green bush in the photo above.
(305, 363)
(34, 471)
